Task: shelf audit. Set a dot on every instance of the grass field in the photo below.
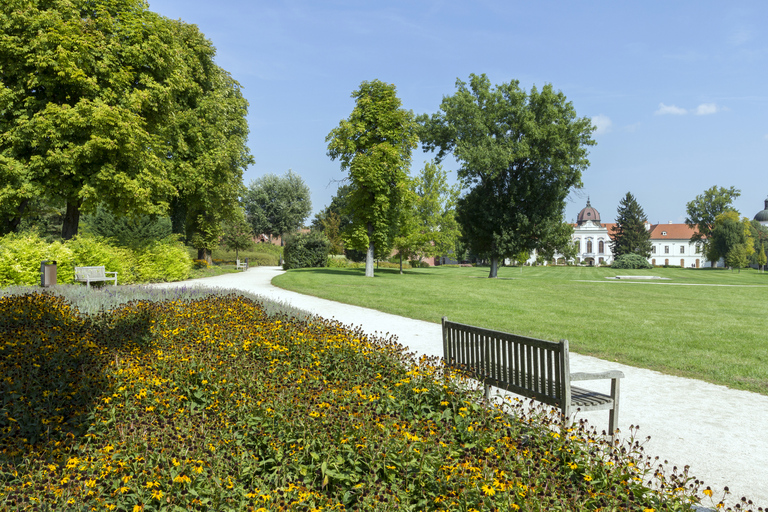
(704, 324)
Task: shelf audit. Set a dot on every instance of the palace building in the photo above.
(671, 242)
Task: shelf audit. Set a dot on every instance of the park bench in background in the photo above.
(241, 265)
(530, 367)
(90, 275)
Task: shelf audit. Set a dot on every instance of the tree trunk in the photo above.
(494, 267)
(204, 254)
(369, 254)
(71, 219)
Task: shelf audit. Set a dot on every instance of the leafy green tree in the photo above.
(730, 238)
(374, 146)
(762, 259)
(104, 95)
(630, 235)
(703, 211)
(331, 228)
(206, 147)
(520, 155)
(277, 205)
(435, 211)
(237, 236)
(135, 231)
(85, 86)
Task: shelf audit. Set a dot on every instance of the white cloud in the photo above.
(706, 109)
(603, 124)
(670, 109)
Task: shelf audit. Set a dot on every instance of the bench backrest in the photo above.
(90, 272)
(529, 367)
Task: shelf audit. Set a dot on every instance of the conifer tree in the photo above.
(630, 235)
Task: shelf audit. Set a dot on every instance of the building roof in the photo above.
(762, 216)
(588, 213)
(671, 232)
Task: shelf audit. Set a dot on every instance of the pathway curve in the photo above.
(721, 433)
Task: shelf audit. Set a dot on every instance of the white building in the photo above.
(671, 242)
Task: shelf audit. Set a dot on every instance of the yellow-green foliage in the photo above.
(166, 260)
(21, 255)
(212, 404)
(96, 251)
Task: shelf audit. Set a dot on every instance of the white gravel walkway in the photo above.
(722, 434)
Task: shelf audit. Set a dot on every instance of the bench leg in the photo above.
(613, 415)
(486, 391)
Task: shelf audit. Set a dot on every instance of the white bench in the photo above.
(530, 367)
(242, 265)
(90, 275)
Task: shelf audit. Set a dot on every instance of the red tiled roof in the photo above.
(671, 232)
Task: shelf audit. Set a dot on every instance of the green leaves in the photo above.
(374, 146)
(520, 154)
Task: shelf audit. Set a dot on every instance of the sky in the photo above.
(678, 91)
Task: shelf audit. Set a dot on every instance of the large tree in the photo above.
(374, 146)
(731, 239)
(703, 211)
(630, 235)
(93, 99)
(520, 154)
(277, 205)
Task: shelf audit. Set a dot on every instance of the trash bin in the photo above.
(247, 266)
(47, 273)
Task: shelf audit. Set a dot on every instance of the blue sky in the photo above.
(678, 90)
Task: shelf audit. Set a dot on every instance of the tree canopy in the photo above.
(703, 211)
(277, 205)
(374, 146)
(520, 155)
(93, 99)
(731, 239)
(630, 235)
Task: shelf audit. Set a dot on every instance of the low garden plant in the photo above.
(191, 400)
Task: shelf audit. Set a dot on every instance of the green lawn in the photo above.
(705, 324)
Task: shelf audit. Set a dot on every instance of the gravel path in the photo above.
(721, 433)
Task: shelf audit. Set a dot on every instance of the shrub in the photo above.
(127, 231)
(629, 261)
(306, 250)
(93, 251)
(166, 260)
(21, 255)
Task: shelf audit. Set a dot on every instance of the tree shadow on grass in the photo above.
(52, 369)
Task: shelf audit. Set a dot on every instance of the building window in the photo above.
(589, 246)
(663, 233)
(578, 246)
(601, 247)
(682, 249)
(698, 248)
(653, 249)
(666, 249)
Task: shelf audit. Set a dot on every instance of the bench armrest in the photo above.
(613, 374)
(115, 273)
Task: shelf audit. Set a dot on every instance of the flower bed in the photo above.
(213, 404)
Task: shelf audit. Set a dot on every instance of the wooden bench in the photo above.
(90, 275)
(530, 367)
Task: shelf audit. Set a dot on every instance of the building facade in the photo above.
(671, 242)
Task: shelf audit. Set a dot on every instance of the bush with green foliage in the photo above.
(630, 261)
(166, 260)
(306, 250)
(95, 251)
(21, 255)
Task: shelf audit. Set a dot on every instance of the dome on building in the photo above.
(588, 213)
(762, 217)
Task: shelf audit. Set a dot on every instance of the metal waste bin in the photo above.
(247, 265)
(47, 273)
